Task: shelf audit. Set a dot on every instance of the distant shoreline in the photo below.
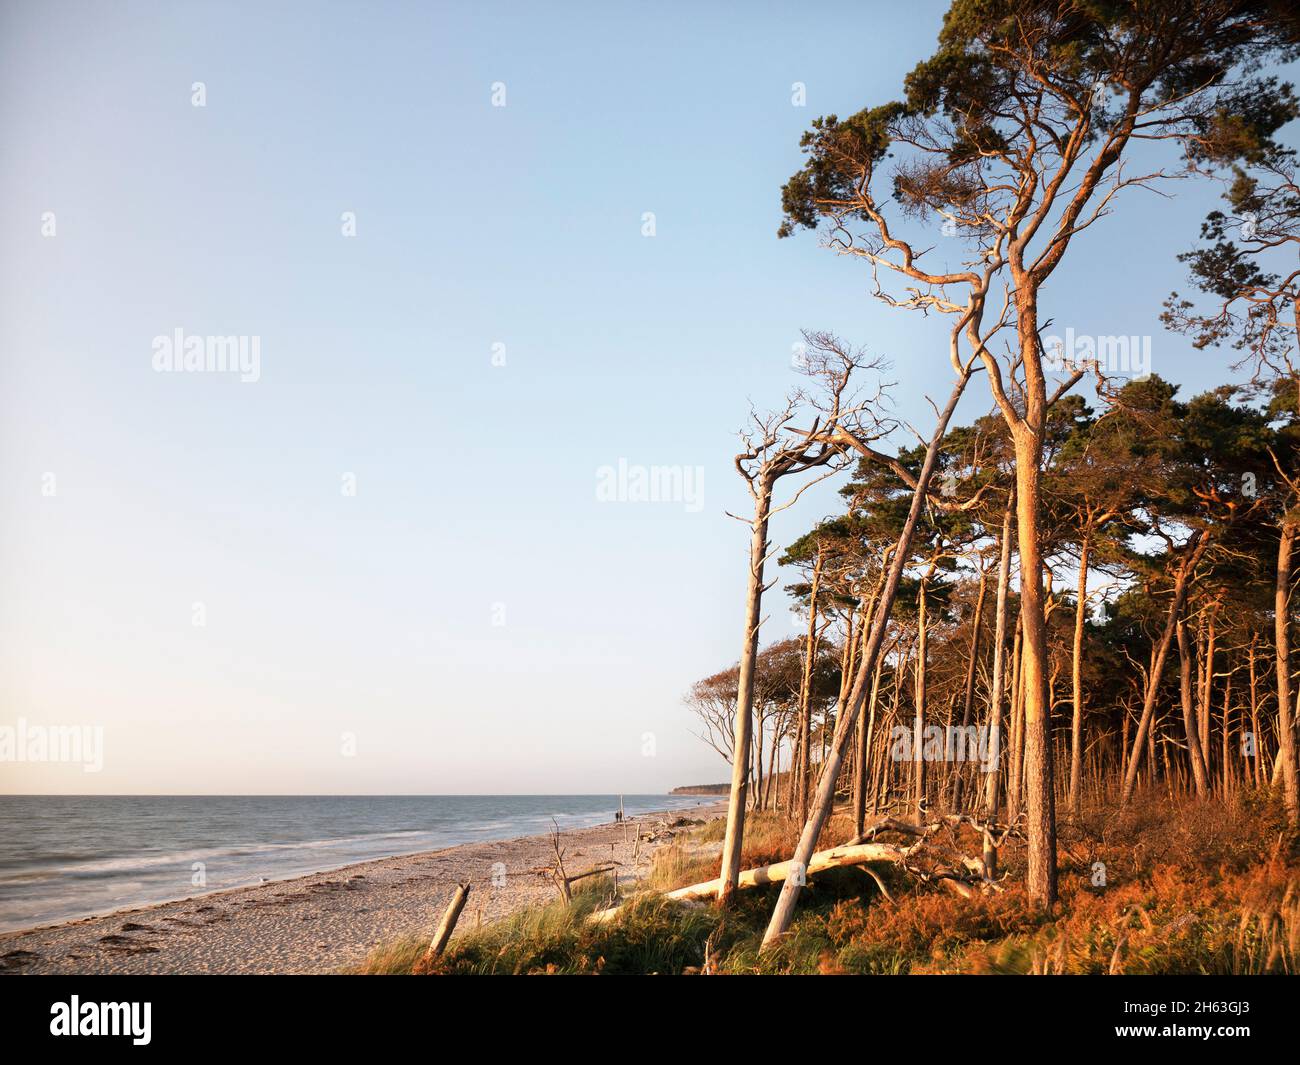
(87, 856)
(329, 920)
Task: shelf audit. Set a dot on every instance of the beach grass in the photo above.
(1204, 887)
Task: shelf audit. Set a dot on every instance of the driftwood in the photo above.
(888, 824)
(965, 881)
(562, 879)
(596, 871)
(448, 923)
(835, 858)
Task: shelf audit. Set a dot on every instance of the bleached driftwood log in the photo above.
(448, 923)
(834, 858)
(965, 879)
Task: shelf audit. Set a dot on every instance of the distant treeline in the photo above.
(702, 789)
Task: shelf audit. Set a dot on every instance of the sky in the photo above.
(485, 253)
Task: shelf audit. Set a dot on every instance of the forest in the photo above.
(1081, 597)
(1039, 710)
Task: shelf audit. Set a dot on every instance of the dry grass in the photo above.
(1189, 888)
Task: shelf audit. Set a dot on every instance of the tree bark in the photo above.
(996, 693)
(448, 923)
(1282, 634)
(1189, 712)
(1195, 547)
(1015, 768)
(1257, 776)
(1205, 692)
(866, 723)
(733, 840)
(918, 700)
(1076, 675)
(1229, 780)
(968, 695)
(1040, 800)
(805, 693)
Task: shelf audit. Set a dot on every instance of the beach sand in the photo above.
(330, 921)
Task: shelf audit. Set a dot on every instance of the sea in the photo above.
(70, 856)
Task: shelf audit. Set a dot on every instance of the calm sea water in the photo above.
(71, 856)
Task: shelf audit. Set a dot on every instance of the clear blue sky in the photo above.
(476, 225)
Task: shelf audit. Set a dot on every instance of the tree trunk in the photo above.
(1040, 799)
(968, 696)
(866, 722)
(1207, 688)
(805, 693)
(1189, 711)
(1228, 775)
(996, 685)
(1015, 792)
(860, 813)
(774, 767)
(783, 914)
(918, 698)
(1282, 633)
(1258, 776)
(1195, 546)
(733, 840)
(1076, 675)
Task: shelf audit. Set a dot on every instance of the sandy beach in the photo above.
(329, 921)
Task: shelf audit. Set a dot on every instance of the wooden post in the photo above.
(448, 925)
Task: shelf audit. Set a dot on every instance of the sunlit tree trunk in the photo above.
(1282, 638)
(1189, 712)
(1016, 765)
(743, 741)
(1145, 735)
(918, 696)
(1254, 751)
(1040, 800)
(968, 693)
(997, 683)
(805, 694)
(1229, 778)
(867, 722)
(1076, 675)
(1207, 687)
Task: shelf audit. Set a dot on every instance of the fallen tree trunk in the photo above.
(835, 858)
(590, 872)
(887, 824)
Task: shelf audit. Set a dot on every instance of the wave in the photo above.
(112, 868)
(134, 863)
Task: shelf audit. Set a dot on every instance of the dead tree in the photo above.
(969, 324)
(775, 449)
(848, 712)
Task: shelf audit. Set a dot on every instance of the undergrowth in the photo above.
(1201, 887)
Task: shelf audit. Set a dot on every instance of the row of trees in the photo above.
(1150, 550)
(1035, 573)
